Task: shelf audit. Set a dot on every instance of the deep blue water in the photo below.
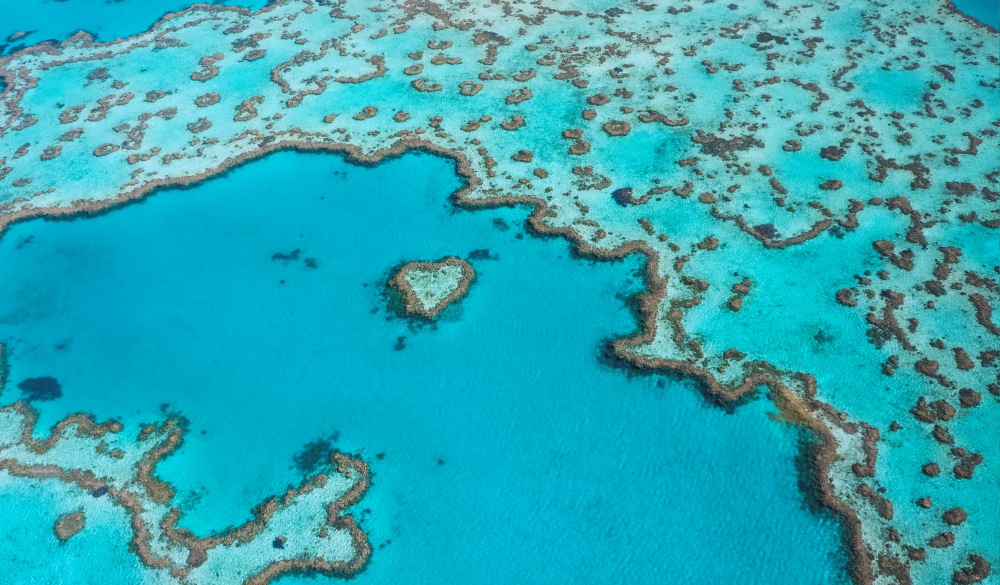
(509, 451)
(987, 11)
(104, 19)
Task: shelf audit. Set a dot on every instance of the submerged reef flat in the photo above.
(429, 287)
(815, 188)
(103, 460)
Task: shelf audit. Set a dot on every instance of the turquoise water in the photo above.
(503, 449)
(105, 20)
(31, 552)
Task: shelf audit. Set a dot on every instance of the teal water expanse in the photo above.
(502, 448)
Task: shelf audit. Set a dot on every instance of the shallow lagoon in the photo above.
(502, 448)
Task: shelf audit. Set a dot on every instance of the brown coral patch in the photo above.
(69, 524)
(943, 540)
(954, 516)
(105, 149)
(51, 152)
(207, 99)
(71, 135)
(421, 84)
(247, 110)
(200, 125)
(978, 570)
(598, 99)
(366, 113)
(513, 123)
(617, 128)
(518, 96)
(833, 153)
(469, 88)
(649, 116)
(412, 303)
(254, 54)
(208, 67)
